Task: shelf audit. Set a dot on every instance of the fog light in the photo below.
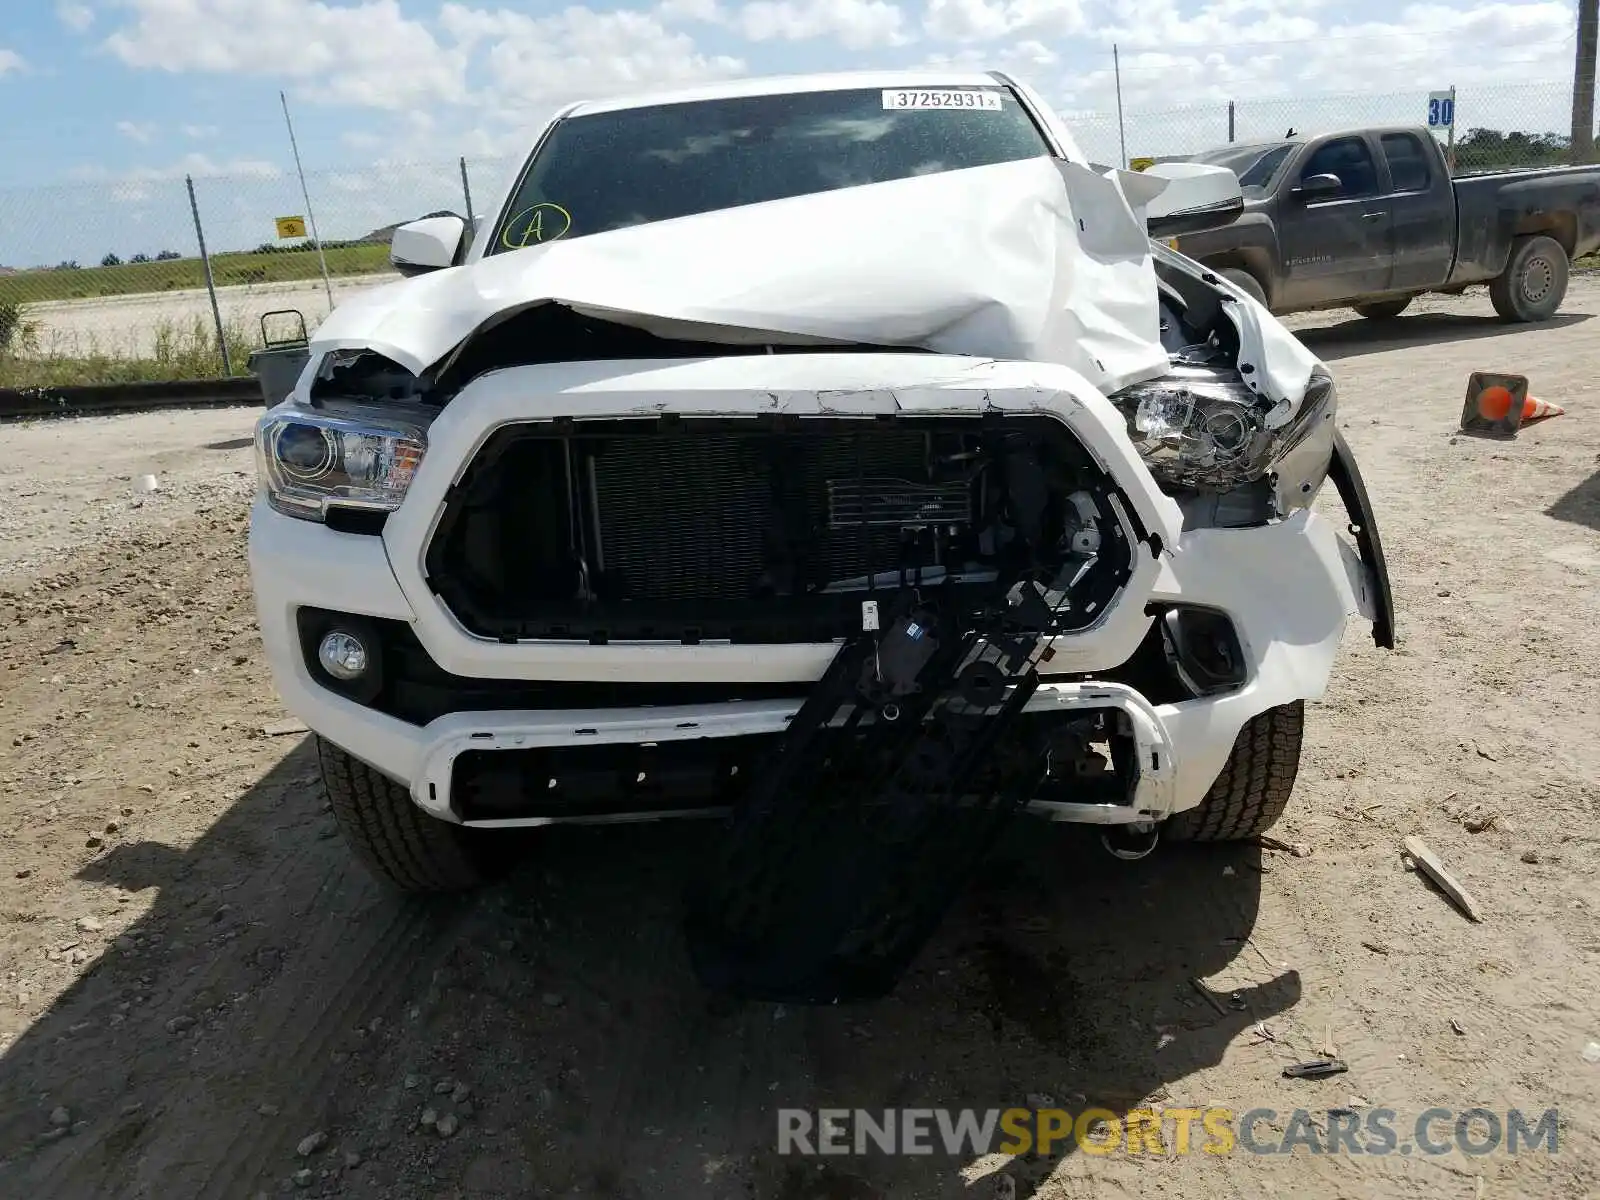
(342, 655)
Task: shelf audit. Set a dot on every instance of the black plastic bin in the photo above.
(277, 365)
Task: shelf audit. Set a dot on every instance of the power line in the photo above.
(1496, 61)
(1237, 44)
(1552, 88)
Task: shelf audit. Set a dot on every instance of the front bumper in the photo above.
(1288, 589)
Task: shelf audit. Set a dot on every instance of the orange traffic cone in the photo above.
(1494, 404)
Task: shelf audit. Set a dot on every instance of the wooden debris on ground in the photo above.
(1429, 863)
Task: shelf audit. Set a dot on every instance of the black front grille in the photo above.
(720, 516)
(746, 530)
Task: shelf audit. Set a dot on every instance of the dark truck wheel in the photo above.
(1383, 310)
(393, 838)
(1534, 282)
(1245, 282)
(1253, 788)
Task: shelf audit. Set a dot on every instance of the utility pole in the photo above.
(305, 193)
(1583, 84)
(1122, 136)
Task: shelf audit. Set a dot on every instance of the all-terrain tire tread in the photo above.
(385, 829)
(1254, 786)
(1504, 289)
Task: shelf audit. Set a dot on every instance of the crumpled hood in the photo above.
(1036, 260)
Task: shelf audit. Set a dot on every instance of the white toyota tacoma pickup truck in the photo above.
(566, 525)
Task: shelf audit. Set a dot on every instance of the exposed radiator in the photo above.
(721, 515)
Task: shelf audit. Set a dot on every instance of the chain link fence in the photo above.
(106, 281)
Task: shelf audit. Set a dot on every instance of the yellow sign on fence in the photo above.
(291, 227)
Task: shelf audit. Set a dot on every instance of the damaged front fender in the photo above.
(1352, 491)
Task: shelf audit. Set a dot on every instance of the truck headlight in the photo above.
(1208, 431)
(310, 460)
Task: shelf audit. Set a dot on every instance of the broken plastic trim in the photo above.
(845, 854)
(1347, 482)
(1203, 649)
(365, 375)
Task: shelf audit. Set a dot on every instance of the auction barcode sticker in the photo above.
(987, 100)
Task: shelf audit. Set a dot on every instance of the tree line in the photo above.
(112, 260)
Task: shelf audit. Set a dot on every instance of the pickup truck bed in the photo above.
(1370, 218)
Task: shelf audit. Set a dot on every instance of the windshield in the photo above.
(1254, 165)
(609, 170)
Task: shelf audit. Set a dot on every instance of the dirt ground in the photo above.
(194, 977)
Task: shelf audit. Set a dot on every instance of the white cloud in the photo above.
(988, 20)
(415, 61)
(137, 131)
(367, 54)
(1430, 45)
(200, 132)
(690, 10)
(856, 24)
(77, 17)
(532, 66)
(1159, 25)
(190, 164)
(1247, 49)
(10, 61)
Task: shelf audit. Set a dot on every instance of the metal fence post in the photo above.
(211, 286)
(466, 189)
(306, 193)
(1122, 134)
(1450, 137)
(1230, 121)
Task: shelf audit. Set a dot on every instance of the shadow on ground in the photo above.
(273, 990)
(1362, 336)
(1581, 505)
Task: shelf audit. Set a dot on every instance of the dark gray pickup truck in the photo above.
(1370, 218)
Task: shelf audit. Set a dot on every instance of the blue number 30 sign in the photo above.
(1441, 110)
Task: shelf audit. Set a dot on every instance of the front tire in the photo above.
(398, 842)
(1383, 310)
(1253, 788)
(1534, 283)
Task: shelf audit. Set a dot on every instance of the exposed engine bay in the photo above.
(765, 531)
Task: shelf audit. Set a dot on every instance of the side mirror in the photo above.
(426, 245)
(1313, 186)
(1196, 196)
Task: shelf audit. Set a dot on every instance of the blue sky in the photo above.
(108, 103)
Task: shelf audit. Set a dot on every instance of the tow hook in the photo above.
(1131, 842)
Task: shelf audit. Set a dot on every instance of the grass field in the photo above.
(31, 287)
(178, 350)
